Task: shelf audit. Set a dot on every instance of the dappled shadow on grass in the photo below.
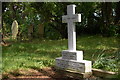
(43, 53)
(98, 42)
(95, 45)
(26, 55)
(28, 60)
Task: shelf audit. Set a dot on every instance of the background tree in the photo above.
(117, 17)
(97, 18)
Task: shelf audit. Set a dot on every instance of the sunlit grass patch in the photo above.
(42, 53)
(94, 45)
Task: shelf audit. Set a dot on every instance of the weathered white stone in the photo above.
(14, 29)
(72, 55)
(70, 18)
(73, 18)
(82, 66)
(72, 59)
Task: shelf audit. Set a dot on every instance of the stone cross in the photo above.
(72, 59)
(70, 19)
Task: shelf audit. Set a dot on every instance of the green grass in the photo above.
(94, 45)
(39, 54)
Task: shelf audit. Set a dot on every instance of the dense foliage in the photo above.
(97, 18)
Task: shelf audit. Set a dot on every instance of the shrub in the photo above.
(106, 63)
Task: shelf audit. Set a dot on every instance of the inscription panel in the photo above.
(74, 65)
(70, 55)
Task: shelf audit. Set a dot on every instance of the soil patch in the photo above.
(49, 73)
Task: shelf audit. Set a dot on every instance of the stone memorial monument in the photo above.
(14, 29)
(72, 59)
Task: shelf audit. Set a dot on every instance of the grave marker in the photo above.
(70, 18)
(14, 29)
(72, 59)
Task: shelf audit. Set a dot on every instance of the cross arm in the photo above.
(72, 18)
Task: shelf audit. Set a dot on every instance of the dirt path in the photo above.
(49, 73)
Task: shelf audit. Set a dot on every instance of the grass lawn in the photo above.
(39, 54)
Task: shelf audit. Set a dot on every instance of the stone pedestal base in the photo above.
(82, 66)
(73, 60)
(72, 55)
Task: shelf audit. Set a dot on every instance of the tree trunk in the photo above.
(63, 32)
(30, 32)
(90, 23)
(106, 17)
(117, 17)
(40, 30)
